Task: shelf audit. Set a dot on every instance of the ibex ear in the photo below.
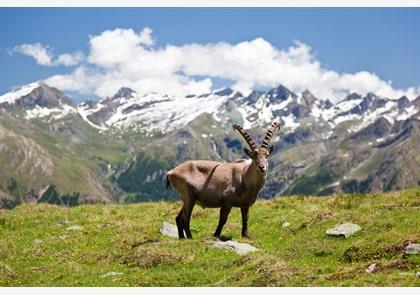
(270, 149)
(248, 152)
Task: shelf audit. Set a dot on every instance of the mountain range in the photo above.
(118, 149)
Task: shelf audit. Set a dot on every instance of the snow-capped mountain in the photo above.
(39, 101)
(363, 143)
(154, 112)
(128, 110)
(12, 96)
(150, 112)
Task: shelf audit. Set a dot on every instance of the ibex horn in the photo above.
(248, 138)
(269, 134)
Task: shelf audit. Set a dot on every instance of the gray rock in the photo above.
(343, 230)
(371, 268)
(412, 249)
(111, 274)
(285, 224)
(75, 228)
(239, 248)
(169, 230)
(61, 223)
(60, 238)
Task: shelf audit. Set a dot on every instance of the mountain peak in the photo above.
(44, 85)
(352, 96)
(371, 95)
(36, 94)
(123, 92)
(224, 92)
(402, 102)
(15, 94)
(281, 93)
(308, 98)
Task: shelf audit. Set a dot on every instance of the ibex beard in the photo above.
(222, 185)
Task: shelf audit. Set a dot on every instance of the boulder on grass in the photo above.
(169, 230)
(412, 249)
(343, 230)
(239, 248)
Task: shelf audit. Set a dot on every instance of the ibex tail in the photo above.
(168, 182)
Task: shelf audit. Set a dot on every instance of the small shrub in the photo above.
(50, 196)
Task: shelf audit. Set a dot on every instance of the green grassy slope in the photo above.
(37, 249)
(76, 158)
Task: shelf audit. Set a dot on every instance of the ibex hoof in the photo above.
(247, 235)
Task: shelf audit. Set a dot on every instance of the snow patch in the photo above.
(370, 117)
(407, 113)
(157, 113)
(55, 113)
(326, 135)
(347, 105)
(84, 112)
(348, 117)
(289, 122)
(214, 147)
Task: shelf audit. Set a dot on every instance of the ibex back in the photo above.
(222, 185)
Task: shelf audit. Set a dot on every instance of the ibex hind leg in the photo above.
(188, 208)
(183, 219)
(180, 223)
(188, 196)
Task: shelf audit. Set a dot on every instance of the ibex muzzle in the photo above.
(222, 185)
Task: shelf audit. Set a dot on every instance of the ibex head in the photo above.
(258, 154)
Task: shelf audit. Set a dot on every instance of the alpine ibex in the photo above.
(222, 185)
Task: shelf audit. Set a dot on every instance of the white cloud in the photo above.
(115, 47)
(69, 59)
(40, 53)
(43, 55)
(124, 57)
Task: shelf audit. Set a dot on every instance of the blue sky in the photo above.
(384, 41)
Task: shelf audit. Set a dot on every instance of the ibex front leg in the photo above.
(245, 214)
(224, 213)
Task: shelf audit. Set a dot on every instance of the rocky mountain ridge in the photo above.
(164, 113)
(127, 141)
